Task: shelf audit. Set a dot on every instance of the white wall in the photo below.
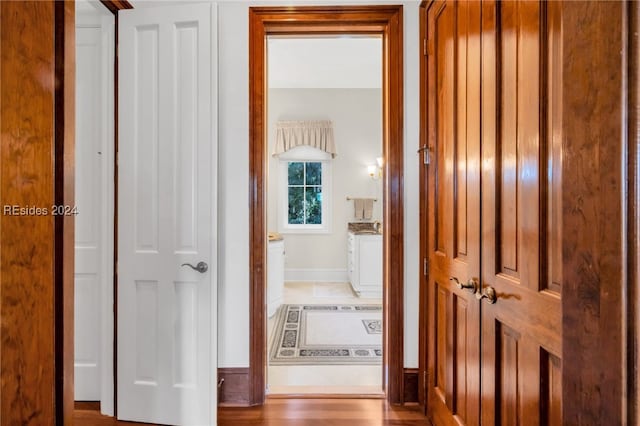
(333, 62)
(356, 115)
(233, 308)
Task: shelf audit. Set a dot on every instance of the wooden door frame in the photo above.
(310, 20)
(423, 305)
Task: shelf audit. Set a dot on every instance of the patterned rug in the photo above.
(327, 335)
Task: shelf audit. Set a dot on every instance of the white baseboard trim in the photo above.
(316, 275)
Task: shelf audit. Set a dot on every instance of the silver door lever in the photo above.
(201, 267)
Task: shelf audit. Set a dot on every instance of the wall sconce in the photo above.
(375, 171)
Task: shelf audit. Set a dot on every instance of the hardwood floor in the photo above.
(297, 412)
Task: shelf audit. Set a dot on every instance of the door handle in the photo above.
(471, 285)
(201, 267)
(488, 293)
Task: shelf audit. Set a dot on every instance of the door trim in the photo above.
(633, 215)
(423, 334)
(64, 194)
(303, 20)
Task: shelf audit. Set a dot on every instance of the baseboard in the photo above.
(234, 387)
(316, 275)
(411, 385)
(87, 405)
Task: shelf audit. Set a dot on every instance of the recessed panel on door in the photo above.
(454, 199)
(521, 331)
(146, 138)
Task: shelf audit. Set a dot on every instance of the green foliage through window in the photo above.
(304, 184)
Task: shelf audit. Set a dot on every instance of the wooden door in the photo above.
(521, 229)
(453, 383)
(166, 305)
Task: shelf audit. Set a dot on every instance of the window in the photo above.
(304, 189)
(305, 201)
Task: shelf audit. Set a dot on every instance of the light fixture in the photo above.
(375, 171)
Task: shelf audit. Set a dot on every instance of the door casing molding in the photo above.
(387, 22)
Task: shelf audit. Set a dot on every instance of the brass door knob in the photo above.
(488, 293)
(471, 285)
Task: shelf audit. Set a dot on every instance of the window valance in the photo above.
(316, 134)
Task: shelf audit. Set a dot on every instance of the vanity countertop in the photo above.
(274, 236)
(364, 228)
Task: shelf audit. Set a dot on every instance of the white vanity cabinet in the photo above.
(275, 276)
(364, 264)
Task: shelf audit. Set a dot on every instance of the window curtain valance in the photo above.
(316, 134)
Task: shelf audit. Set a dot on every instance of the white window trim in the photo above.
(283, 226)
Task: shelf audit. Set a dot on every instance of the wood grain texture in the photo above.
(551, 149)
(411, 384)
(452, 216)
(234, 390)
(593, 233)
(27, 358)
(633, 211)
(295, 412)
(387, 22)
(86, 406)
(64, 187)
(526, 319)
(322, 412)
(257, 210)
(423, 317)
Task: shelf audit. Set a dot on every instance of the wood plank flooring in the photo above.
(296, 412)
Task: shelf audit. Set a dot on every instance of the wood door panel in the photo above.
(445, 114)
(453, 192)
(460, 141)
(517, 160)
(441, 336)
(552, 152)
(521, 334)
(550, 389)
(508, 402)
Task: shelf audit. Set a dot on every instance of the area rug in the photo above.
(327, 335)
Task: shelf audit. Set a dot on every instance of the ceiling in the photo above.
(337, 62)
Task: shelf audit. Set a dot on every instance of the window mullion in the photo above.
(304, 192)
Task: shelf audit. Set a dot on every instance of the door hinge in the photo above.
(424, 46)
(427, 154)
(425, 267)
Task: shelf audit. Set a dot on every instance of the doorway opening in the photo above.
(324, 215)
(94, 201)
(269, 25)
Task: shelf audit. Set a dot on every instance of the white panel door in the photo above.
(88, 238)
(95, 151)
(166, 369)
